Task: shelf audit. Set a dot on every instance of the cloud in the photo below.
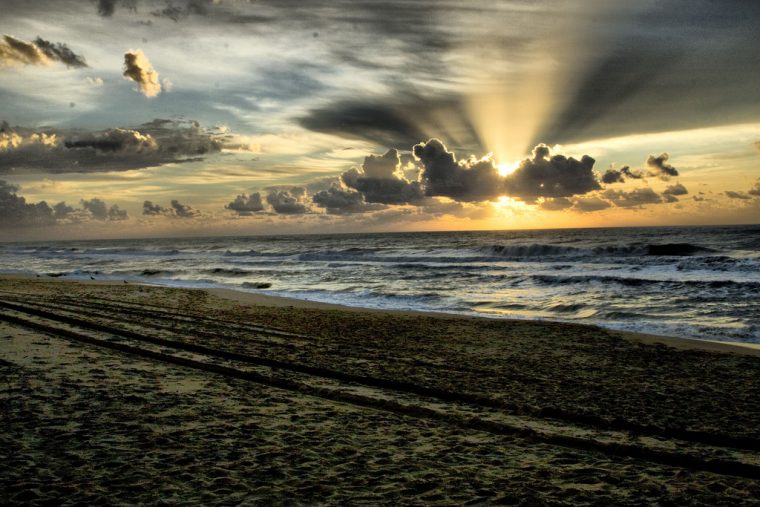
(154, 209)
(16, 212)
(467, 180)
(288, 202)
(737, 195)
(340, 202)
(755, 190)
(676, 189)
(177, 12)
(246, 204)
(634, 199)
(60, 53)
(618, 176)
(381, 180)
(114, 141)
(183, 210)
(137, 67)
(393, 122)
(151, 144)
(637, 61)
(106, 8)
(590, 204)
(612, 176)
(99, 210)
(39, 52)
(175, 209)
(545, 175)
(580, 204)
(659, 167)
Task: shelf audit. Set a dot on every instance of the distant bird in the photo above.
(92, 278)
(125, 281)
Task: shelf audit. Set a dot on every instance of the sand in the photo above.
(124, 394)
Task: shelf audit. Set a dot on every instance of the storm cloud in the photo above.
(138, 68)
(38, 52)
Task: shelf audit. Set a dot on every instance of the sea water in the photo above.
(698, 282)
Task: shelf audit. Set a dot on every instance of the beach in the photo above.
(121, 393)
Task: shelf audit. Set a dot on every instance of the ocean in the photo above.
(695, 282)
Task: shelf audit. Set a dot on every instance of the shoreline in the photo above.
(255, 299)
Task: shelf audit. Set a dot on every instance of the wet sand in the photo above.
(120, 393)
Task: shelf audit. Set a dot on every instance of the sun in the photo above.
(507, 169)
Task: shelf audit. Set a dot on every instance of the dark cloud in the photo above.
(545, 175)
(657, 60)
(634, 199)
(175, 209)
(60, 53)
(151, 144)
(154, 209)
(384, 125)
(138, 68)
(106, 8)
(659, 167)
(16, 212)
(38, 52)
(287, 202)
(472, 180)
(466, 180)
(393, 122)
(246, 204)
(676, 189)
(737, 195)
(612, 176)
(183, 210)
(62, 211)
(340, 202)
(99, 210)
(381, 180)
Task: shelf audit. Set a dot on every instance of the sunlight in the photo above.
(507, 169)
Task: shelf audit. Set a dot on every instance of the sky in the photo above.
(150, 118)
